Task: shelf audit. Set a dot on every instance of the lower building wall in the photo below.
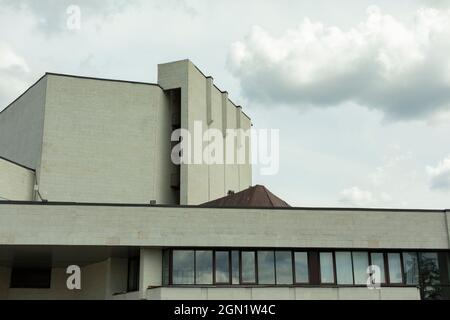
(409, 293)
(99, 281)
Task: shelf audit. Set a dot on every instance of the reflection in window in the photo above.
(301, 267)
(377, 259)
(235, 267)
(344, 272)
(395, 268)
(222, 267)
(360, 264)
(430, 274)
(183, 267)
(248, 267)
(266, 267)
(203, 266)
(429, 264)
(283, 267)
(411, 267)
(326, 267)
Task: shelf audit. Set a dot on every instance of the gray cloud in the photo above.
(437, 3)
(383, 64)
(52, 15)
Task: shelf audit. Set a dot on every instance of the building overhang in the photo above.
(66, 224)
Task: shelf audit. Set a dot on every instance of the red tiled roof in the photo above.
(257, 196)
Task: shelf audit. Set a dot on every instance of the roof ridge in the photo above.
(16, 163)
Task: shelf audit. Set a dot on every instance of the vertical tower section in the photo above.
(203, 106)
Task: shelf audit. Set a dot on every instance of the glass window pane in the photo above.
(284, 267)
(377, 259)
(430, 274)
(222, 267)
(344, 272)
(266, 267)
(235, 266)
(301, 267)
(395, 268)
(183, 267)
(203, 266)
(248, 267)
(326, 267)
(411, 267)
(429, 267)
(360, 265)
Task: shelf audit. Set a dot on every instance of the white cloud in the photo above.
(13, 71)
(355, 196)
(400, 69)
(440, 175)
(9, 59)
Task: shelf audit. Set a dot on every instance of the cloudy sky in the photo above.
(359, 90)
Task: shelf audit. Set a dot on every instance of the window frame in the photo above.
(255, 267)
(353, 266)
(230, 267)
(388, 272)
(313, 266)
(294, 268)
(333, 264)
(352, 269)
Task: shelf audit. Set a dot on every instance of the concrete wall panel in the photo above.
(194, 226)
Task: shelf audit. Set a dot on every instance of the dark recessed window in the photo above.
(166, 267)
(326, 267)
(344, 274)
(31, 278)
(223, 267)
(430, 275)
(183, 267)
(133, 274)
(283, 263)
(301, 267)
(203, 267)
(266, 267)
(248, 261)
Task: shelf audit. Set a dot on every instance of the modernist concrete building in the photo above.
(86, 179)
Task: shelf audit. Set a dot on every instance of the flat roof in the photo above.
(108, 79)
(101, 79)
(77, 77)
(141, 205)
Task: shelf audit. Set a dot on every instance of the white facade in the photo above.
(83, 158)
(106, 141)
